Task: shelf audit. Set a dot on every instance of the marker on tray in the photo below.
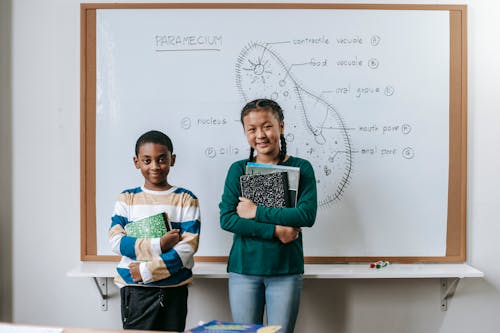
(379, 264)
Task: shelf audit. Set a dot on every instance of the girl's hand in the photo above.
(246, 208)
(286, 234)
(168, 240)
(135, 272)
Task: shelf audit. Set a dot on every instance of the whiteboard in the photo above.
(366, 101)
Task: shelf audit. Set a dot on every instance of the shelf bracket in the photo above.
(102, 286)
(448, 287)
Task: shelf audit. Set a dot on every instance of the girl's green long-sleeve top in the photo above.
(255, 250)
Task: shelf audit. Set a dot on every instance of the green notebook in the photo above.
(149, 227)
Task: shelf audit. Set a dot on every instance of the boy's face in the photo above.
(154, 160)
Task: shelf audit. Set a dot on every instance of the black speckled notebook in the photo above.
(270, 189)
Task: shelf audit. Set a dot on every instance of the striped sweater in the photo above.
(169, 269)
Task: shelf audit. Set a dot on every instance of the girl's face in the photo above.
(263, 131)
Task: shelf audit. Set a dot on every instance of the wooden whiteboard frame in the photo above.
(457, 178)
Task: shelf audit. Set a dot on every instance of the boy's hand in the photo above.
(135, 272)
(286, 234)
(246, 208)
(168, 240)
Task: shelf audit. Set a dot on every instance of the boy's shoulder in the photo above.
(176, 190)
(184, 191)
(133, 190)
(129, 195)
(139, 195)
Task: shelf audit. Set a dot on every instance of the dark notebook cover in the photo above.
(270, 189)
(253, 168)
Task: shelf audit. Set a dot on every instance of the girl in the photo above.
(266, 262)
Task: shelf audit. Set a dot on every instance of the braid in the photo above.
(282, 149)
(251, 158)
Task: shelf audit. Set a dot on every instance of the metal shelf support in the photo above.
(102, 286)
(448, 287)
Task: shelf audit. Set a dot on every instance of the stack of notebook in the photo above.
(270, 185)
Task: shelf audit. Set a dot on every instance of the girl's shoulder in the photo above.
(241, 162)
(298, 162)
(238, 165)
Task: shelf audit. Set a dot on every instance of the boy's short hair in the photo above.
(154, 137)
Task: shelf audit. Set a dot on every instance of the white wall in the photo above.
(44, 167)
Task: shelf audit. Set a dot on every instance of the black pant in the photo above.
(153, 308)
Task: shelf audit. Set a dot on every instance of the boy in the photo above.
(154, 273)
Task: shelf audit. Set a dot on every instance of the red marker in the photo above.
(379, 264)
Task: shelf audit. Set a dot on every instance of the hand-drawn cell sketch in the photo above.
(313, 128)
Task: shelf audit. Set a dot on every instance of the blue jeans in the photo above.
(280, 294)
